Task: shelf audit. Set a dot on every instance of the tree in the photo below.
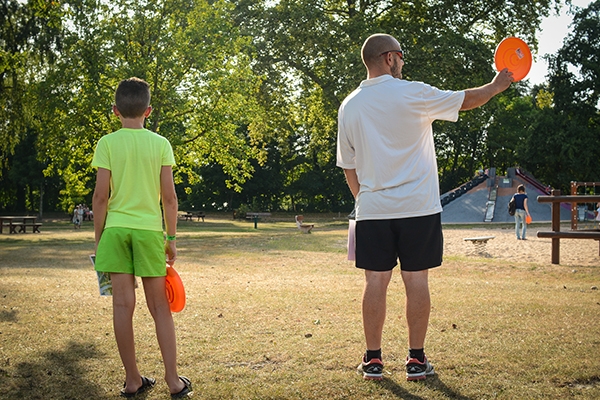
(29, 35)
(563, 144)
(250, 87)
(309, 52)
(197, 66)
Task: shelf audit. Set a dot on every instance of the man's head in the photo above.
(521, 189)
(132, 98)
(381, 54)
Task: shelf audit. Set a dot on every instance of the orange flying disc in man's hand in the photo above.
(175, 290)
(514, 54)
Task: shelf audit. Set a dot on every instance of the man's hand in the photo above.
(503, 79)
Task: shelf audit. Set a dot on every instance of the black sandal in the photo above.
(187, 389)
(147, 383)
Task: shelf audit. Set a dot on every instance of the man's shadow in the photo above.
(55, 374)
(433, 382)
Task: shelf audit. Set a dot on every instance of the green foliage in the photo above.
(29, 36)
(197, 67)
(310, 53)
(562, 145)
(242, 210)
(248, 91)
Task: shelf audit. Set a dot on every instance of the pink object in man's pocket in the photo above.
(352, 240)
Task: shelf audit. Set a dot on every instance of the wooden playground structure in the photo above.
(579, 214)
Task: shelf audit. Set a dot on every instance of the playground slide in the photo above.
(533, 182)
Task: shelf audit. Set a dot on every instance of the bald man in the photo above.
(386, 149)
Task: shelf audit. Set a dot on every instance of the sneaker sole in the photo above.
(372, 377)
(416, 377)
(419, 377)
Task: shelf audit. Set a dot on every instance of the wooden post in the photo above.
(555, 228)
(574, 216)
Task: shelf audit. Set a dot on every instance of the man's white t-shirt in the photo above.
(385, 133)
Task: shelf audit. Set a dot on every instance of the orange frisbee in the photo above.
(514, 54)
(528, 219)
(175, 290)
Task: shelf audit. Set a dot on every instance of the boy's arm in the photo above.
(169, 201)
(100, 201)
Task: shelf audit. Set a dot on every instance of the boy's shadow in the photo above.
(433, 382)
(56, 374)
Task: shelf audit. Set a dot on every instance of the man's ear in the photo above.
(116, 110)
(148, 112)
(389, 58)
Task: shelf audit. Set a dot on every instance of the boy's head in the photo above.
(521, 189)
(132, 97)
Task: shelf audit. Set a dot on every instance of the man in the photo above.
(385, 146)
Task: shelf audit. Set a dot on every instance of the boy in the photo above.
(135, 169)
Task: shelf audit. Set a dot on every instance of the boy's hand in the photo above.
(171, 252)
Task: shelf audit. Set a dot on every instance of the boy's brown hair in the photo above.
(521, 188)
(132, 97)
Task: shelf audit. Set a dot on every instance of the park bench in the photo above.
(23, 227)
(304, 228)
(254, 216)
(19, 224)
(479, 243)
(556, 234)
(190, 215)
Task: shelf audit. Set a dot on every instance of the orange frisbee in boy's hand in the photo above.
(175, 290)
(514, 54)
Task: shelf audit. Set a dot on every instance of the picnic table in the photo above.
(20, 222)
(190, 215)
(254, 216)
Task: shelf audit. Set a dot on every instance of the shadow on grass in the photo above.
(398, 390)
(8, 316)
(57, 375)
(433, 383)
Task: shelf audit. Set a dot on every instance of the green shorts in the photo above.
(131, 251)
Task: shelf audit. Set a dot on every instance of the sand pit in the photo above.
(505, 246)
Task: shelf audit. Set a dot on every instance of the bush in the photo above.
(241, 211)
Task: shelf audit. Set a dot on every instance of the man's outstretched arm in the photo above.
(477, 97)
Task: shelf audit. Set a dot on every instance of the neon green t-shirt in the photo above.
(135, 158)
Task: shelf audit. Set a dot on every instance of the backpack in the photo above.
(512, 206)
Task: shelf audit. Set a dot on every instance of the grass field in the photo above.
(275, 314)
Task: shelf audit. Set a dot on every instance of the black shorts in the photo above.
(418, 243)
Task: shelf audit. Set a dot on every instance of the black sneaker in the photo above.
(372, 370)
(417, 370)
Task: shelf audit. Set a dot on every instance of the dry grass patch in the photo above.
(274, 314)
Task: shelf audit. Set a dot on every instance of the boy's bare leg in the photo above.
(374, 306)
(418, 306)
(123, 308)
(158, 304)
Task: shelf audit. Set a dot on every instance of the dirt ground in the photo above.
(505, 246)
